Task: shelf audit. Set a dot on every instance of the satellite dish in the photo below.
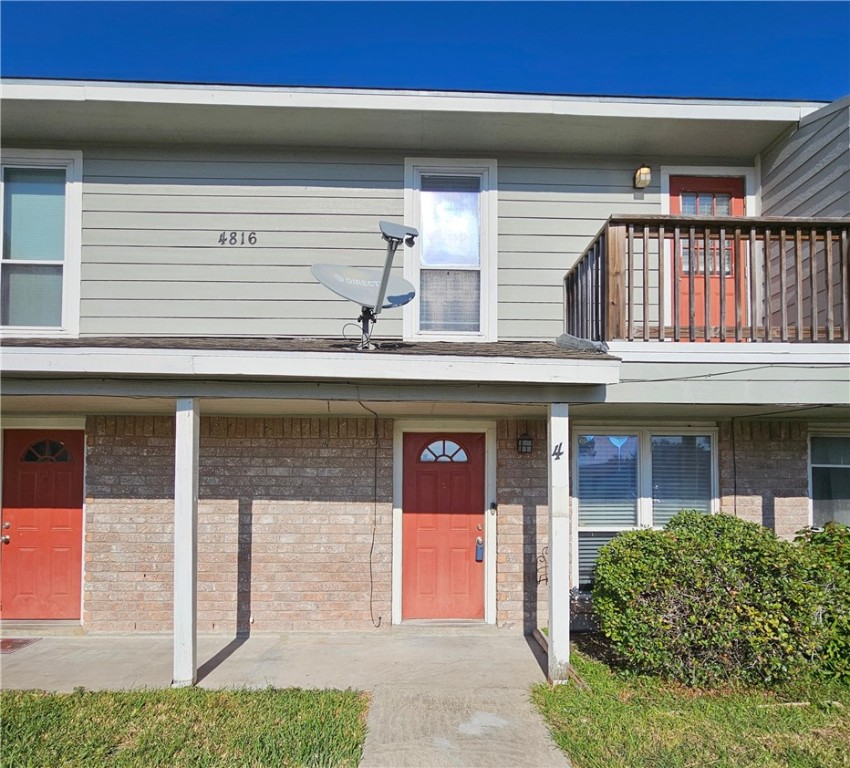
(361, 285)
(372, 289)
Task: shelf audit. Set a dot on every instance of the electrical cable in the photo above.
(374, 521)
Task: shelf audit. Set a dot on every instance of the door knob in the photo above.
(5, 539)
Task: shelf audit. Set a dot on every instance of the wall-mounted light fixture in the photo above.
(524, 443)
(643, 177)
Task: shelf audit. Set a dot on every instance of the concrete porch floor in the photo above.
(441, 696)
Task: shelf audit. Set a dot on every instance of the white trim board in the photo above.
(743, 352)
(432, 101)
(488, 427)
(308, 365)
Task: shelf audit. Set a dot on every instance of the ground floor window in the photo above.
(637, 478)
(830, 479)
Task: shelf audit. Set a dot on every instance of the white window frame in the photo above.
(486, 171)
(644, 477)
(72, 163)
(820, 432)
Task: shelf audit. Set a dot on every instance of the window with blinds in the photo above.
(452, 265)
(636, 479)
(830, 468)
(450, 253)
(31, 270)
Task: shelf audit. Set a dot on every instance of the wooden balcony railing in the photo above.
(685, 278)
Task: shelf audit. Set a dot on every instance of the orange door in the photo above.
(714, 271)
(42, 516)
(443, 502)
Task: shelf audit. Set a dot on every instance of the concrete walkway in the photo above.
(447, 696)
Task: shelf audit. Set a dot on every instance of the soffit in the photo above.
(432, 122)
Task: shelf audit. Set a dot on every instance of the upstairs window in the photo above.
(453, 265)
(41, 226)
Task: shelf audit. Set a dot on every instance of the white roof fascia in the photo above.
(776, 352)
(307, 365)
(415, 101)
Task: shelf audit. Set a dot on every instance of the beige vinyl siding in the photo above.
(152, 263)
(550, 210)
(807, 173)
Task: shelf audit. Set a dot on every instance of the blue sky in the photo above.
(768, 50)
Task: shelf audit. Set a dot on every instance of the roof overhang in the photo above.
(309, 366)
(80, 112)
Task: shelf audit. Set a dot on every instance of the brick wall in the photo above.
(287, 509)
(522, 527)
(129, 523)
(285, 523)
(767, 463)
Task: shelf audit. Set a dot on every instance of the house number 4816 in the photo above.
(237, 238)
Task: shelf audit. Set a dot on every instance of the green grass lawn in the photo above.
(186, 727)
(632, 722)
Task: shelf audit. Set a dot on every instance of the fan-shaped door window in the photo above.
(46, 451)
(444, 450)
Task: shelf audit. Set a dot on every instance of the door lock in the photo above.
(479, 549)
(7, 525)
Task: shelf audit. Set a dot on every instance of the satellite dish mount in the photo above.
(372, 289)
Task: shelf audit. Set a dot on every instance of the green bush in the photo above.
(710, 600)
(828, 551)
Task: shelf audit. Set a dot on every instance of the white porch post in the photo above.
(186, 448)
(559, 542)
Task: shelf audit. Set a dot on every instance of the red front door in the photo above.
(714, 271)
(443, 518)
(43, 518)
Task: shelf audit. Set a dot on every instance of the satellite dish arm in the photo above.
(392, 247)
(394, 234)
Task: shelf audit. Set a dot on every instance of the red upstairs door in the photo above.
(442, 523)
(716, 271)
(41, 563)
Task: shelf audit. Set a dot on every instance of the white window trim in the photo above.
(72, 162)
(820, 432)
(752, 205)
(644, 479)
(486, 170)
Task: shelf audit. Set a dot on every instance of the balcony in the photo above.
(697, 279)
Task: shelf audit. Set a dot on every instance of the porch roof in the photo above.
(302, 358)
